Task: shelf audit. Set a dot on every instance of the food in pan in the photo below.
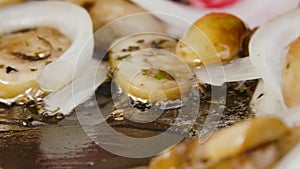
(148, 67)
(145, 70)
(42, 53)
(56, 85)
(25, 53)
(261, 142)
(49, 82)
(256, 144)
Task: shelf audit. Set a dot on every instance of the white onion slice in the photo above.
(268, 50)
(253, 12)
(80, 90)
(70, 19)
(237, 70)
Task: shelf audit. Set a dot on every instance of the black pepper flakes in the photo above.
(10, 69)
(157, 44)
(261, 95)
(123, 57)
(131, 48)
(140, 41)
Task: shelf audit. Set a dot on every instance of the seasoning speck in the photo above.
(10, 69)
(122, 57)
(140, 41)
(261, 95)
(131, 48)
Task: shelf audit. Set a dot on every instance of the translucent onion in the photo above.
(237, 70)
(268, 50)
(80, 90)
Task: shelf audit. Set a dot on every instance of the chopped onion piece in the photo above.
(237, 70)
(77, 92)
(268, 50)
